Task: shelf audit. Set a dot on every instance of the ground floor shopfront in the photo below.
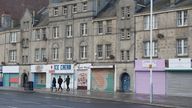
(102, 78)
(142, 77)
(179, 77)
(10, 76)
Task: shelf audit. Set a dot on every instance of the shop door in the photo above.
(39, 80)
(6, 80)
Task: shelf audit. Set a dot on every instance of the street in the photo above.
(36, 100)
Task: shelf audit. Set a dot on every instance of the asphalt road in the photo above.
(10, 99)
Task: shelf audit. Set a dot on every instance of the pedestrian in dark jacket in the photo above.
(60, 81)
(67, 80)
(53, 84)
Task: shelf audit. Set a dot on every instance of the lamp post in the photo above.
(151, 51)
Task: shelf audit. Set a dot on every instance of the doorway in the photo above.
(24, 79)
(125, 82)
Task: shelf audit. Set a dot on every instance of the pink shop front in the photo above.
(142, 76)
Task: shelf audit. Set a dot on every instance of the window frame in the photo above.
(12, 55)
(55, 53)
(69, 31)
(55, 11)
(183, 47)
(147, 49)
(83, 29)
(108, 50)
(99, 51)
(13, 37)
(85, 6)
(83, 52)
(182, 18)
(56, 32)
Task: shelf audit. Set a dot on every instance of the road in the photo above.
(10, 99)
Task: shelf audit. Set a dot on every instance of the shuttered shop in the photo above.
(179, 83)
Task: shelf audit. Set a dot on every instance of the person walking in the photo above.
(53, 84)
(60, 81)
(67, 80)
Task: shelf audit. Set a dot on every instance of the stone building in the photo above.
(171, 48)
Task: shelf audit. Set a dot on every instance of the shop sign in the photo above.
(39, 68)
(10, 69)
(83, 66)
(180, 63)
(62, 68)
(148, 64)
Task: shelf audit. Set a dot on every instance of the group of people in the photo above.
(60, 81)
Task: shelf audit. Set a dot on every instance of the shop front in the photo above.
(11, 76)
(83, 73)
(102, 78)
(179, 77)
(38, 76)
(142, 76)
(63, 70)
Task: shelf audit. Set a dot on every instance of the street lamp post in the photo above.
(151, 51)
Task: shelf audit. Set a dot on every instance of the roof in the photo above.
(163, 5)
(109, 10)
(16, 8)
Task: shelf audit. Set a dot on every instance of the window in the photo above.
(128, 34)
(56, 11)
(122, 55)
(65, 10)
(55, 53)
(128, 55)
(109, 26)
(44, 33)
(122, 12)
(83, 29)
(23, 59)
(26, 60)
(26, 25)
(147, 49)
(83, 52)
(99, 51)
(12, 55)
(108, 50)
(68, 53)
(13, 37)
(37, 54)
(84, 6)
(182, 48)
(100, 27)
(74, 8)
(37, 34)
(182, 17)
(147, 22)
(128, 11)
(43, 54)
(69, 30)
(122, 34)
(55, 32)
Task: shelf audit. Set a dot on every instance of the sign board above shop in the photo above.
(180, 63)
(10, 69)
(61, 68)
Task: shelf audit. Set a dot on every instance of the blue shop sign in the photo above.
(62, 67)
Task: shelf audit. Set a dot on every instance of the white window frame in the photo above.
(182, 47)
(65, 10)
(147, 49)
(128, 11)
(69, 53)
(99, 51)
(43, 53)
(74, 8)
(182, 18)
(69, 31)
(85, 5)
(83, 29)
(147, 22)
(122, 32)
(55, 11)
(122, 12)
(128, 55)
(83, 52)
(13, 37)
(109, 26)
(12, 55)
(55, 53)
(37, 34)
(37, 54)
(108, 50)
(122, 55)
(128, 33)
(100, 27)
(55, 32)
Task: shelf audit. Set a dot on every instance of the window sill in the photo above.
(182, 55)
(149, 57)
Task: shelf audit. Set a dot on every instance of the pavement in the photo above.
(158, 100)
